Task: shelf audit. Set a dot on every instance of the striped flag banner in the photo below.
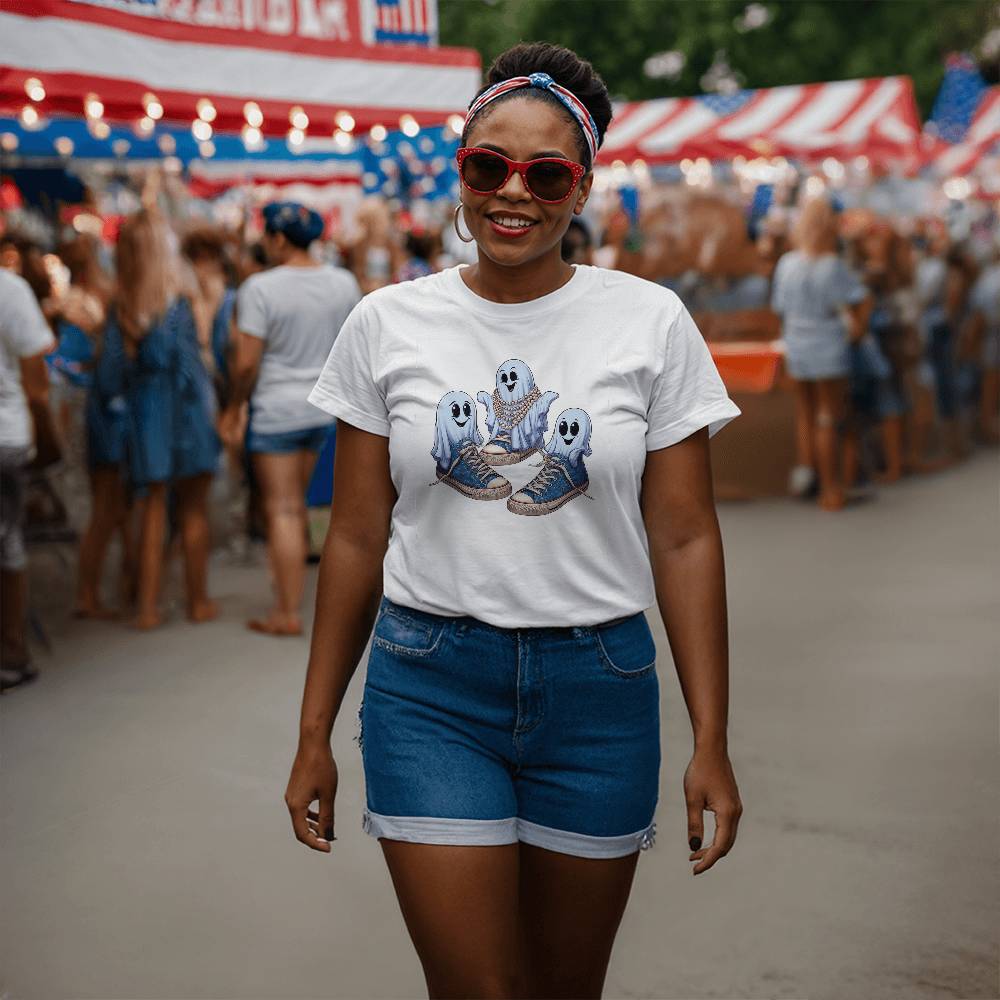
(872, 117)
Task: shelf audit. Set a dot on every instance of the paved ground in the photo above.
(147, 851)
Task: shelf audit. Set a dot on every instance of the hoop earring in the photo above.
(458, 208)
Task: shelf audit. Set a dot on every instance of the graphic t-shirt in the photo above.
(518, 435)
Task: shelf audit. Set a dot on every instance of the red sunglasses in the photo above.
(550, 179)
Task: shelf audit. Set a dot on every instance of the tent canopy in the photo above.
(126, 52)
(874, 117)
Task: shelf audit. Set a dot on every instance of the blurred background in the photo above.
(147, 740)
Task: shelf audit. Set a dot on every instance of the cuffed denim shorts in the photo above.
(472, 734)
(285, 442)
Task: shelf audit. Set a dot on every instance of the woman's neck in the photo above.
(520, 283)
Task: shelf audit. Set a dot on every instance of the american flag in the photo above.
(965, 122)
(401, 22)
(873, 117)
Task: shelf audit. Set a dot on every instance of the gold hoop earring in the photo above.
(458, 208)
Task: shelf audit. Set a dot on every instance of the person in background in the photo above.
(288, 318)
(80, 317)
(577, 245)
(421, 248)
(152, 356)
(213, 299)
(25, 339)
(982, 334)
(822, 306)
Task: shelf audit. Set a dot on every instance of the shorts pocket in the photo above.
(626, 648)
(406, 635)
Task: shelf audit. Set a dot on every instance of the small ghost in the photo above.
(571, 437)
(455, 422)
(505, 412)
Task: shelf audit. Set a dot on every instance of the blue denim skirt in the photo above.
(479, 735)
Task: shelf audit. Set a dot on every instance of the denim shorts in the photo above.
(285, 442)
(479, 735)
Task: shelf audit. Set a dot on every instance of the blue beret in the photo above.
(299, 224)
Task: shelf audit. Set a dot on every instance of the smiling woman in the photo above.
(511, 705)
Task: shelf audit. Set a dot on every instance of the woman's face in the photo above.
(523, 129)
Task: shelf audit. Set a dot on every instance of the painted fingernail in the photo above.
(695, 843)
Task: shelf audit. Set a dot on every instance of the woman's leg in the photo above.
(152, 531)
(280, 478)
(107, 511)
(570, 911)
(831, 395)
(192, 498)
(460, 906)
(805, 410)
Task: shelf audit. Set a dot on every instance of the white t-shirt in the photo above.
(23, 333)
(297, 312)
(592, 375)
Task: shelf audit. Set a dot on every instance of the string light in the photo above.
(120, 147)
(201, 130)
(378, 133)
(167, 144)
(34, 89)
(154, 109)
(64, 145)
(29, 116)
(252, 137)
(8, 142)
(206, 149)
(253, 114)
(456, 123)
(206, 110)
(344, 140)
(145, 126)
(298, 118)
(92, 106)
(296, 137)
(99, 129)
(345, 121)
(409, 125)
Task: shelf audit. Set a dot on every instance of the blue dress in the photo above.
(171, 402)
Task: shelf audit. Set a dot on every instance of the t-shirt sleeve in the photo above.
(688, 393)
(251, 314)
(347, 387)
(24, 328)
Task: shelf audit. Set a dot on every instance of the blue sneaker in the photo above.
(557, 483)
(499, 451)
(472, 477)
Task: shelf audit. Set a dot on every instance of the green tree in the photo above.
(804, 41)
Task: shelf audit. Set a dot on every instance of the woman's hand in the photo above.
(232, 426)
(314, 777)
(709, 784)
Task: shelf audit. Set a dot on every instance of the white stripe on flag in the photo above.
(759, 117)
(648, 114)
(859, 124)
(827, 107)
(688, 123)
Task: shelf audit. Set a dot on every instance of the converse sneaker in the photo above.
(499, 451)
(472, 477)
(557, 483)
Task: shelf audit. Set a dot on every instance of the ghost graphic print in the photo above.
(516, 414)
(563, 474)
(456, 452)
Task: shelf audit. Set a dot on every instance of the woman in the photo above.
(287, 319)
(152, 357)
(820, 302)
(511, 705)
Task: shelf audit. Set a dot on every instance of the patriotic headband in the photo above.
(544, 82)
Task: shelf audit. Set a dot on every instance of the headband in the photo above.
(543, 82)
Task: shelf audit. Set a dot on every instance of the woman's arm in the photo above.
(347, 600)
(685, 549)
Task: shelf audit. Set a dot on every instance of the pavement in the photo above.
(147, 852)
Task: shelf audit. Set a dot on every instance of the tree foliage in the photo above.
(805, 41)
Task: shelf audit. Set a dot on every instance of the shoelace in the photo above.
(477, 464)
(551, 467)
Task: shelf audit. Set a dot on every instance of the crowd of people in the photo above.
(190, 359)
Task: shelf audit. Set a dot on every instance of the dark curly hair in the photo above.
(567, 69)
